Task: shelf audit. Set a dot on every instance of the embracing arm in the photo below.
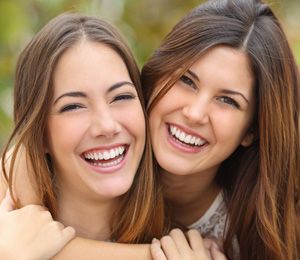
(78, 248)
(86, 249)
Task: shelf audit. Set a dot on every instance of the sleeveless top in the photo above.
(212, 223)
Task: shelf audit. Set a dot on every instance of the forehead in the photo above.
(89, 64)
(224, 66)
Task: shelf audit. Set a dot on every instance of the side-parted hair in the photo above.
(140, 216)
(261, 182)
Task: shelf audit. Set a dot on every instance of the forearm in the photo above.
(24, 185)
(85, 249)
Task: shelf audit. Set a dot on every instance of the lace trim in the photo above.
(212, 223)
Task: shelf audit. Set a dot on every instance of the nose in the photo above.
(196, 110)
(104, 123)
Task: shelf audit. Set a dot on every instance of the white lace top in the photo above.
(212, 223)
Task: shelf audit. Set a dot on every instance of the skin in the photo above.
(216, 109)
(31, 223)
(215, 103)
(90, 115)
(180, 246)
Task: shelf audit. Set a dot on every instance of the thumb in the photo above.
(68, 234)
(7, 203)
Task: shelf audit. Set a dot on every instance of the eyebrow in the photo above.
(225, 91)
(84, 95)
(232, 92)
(193, 74)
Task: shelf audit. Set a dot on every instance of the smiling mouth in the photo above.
(184, 138)
(106, 158)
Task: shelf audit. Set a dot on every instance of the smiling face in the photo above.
(96, 128)
(206, 115)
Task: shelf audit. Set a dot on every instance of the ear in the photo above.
(45, 147)
(45, 144)
(248, 139)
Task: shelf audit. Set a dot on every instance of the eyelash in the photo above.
(124, 97)
(70, 108)
(229, 101)
(188, 81)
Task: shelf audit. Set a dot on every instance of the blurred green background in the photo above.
(143, 22)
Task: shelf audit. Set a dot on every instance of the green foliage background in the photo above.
(143, 22)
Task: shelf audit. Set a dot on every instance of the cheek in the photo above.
(65, 133)
(230, 127)
(133, 120)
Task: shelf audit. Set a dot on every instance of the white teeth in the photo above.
(108, 164)
(192, 141)
(112, 154)
(182, 136)
(173, 130)
(186, 138)
(105, 155)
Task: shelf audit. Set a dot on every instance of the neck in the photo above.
(90, 218)
(190, 196)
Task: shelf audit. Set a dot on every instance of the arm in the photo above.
(78, 248)
(23, 183)
(84, 249)
(33, 230)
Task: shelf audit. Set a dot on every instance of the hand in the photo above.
(214, 249)
(176, 246)
(30, 232)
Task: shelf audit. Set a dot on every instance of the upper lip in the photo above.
(187, 130)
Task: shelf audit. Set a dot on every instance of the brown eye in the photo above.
(70, 107)
(188, 81)
(230, 101)
(124, 97)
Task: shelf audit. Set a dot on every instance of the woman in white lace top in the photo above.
(223, 98)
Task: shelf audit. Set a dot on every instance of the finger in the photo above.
(169, 247)
(7, 203)
(181, 241)
(207, 243)
(195, 239)
(156, 251)
(198, 245)
(46, 215)
(68, 234)
(216, 254)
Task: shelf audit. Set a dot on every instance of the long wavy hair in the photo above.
(261, 182)
(140, 216)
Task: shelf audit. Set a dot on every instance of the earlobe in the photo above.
(248, 139)
(46, 150)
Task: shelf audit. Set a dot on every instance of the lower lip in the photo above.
(108, 169)
(182, 147)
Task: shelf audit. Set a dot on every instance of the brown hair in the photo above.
(261, 182)
(140, 216)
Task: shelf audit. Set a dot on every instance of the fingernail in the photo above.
(154, 240)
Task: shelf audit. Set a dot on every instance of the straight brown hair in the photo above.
(140, 216)
(261, 182)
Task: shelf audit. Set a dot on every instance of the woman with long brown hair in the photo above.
(77, 87)
(222, 93)
(259, 174)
